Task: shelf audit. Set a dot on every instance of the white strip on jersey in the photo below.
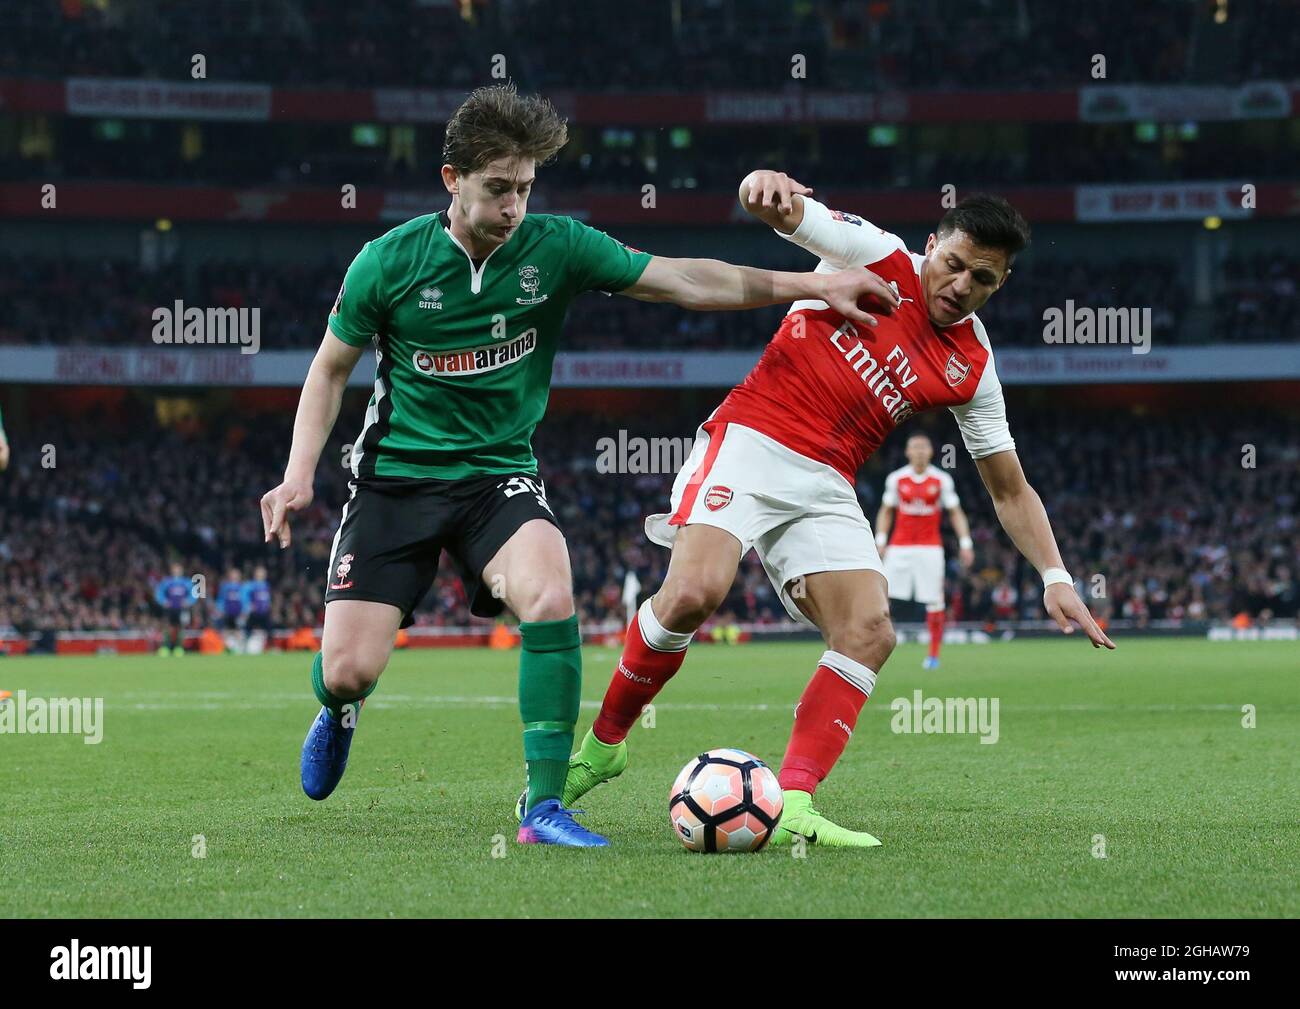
(841, 240)
(983, 420)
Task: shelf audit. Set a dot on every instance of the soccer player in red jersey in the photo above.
(772, 469)
(913, 555)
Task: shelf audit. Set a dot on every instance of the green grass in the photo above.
(1144, 746)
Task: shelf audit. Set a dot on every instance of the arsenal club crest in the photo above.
(717, 497)
(956, 370)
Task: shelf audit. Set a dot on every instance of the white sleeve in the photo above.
(948, 498)
(890, 497)
(841, 239)
(983, 420)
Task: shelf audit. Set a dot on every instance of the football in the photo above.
(725, 800)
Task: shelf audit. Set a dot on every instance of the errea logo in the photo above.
(431, 297)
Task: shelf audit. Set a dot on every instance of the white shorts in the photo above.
(799, 515)
(915, 573)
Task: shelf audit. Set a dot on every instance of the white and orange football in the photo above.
(725, 800)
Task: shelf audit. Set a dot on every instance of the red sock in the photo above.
(934, 621)
(640, 674)
(823, 723)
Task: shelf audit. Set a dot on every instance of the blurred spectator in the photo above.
(1160, 508)
(917, 44)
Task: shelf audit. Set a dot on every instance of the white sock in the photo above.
(855, 672)
(656, 635)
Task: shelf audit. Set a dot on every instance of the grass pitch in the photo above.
(1145, 747)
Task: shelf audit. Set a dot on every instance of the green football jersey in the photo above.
(463, 353)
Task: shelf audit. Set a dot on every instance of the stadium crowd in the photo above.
(916, 44)
(707, 158)
(1164, 510)
(71, 302)
(1261, 298)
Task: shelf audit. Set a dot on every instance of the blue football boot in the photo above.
(550, 823)
(325, 753)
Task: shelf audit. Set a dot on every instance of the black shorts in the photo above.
(259, 622)
(395, 529)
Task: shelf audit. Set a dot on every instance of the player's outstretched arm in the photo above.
(838, 239)
(774, 198)
(318, 408)
(1023, 516)
(4, 451)
(712, 285)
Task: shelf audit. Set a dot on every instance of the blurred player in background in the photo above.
(912, 548)
(4, 445)
(231, 602)
(257, 604)
(463, 310)
(174, 596)
(773, 469)
(631, 593)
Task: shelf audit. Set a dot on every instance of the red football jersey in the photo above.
(919, 501)
(832, 391)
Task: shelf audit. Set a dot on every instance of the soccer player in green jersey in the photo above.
(463, 311)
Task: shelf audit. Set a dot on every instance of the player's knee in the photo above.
(869, 639)
(349, 671)
(547, 601)
(686, 603)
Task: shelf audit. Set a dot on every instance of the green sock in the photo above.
(550, 685)
(332, 702)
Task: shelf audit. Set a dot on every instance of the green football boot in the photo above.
(798, 817)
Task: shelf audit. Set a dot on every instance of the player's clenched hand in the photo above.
(768, 189)
(846, 290)
(290, 496)
(1064, 605)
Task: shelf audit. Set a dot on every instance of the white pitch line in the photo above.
(217, 701)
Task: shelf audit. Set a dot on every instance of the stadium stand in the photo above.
(129, 496)
(69, 302)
